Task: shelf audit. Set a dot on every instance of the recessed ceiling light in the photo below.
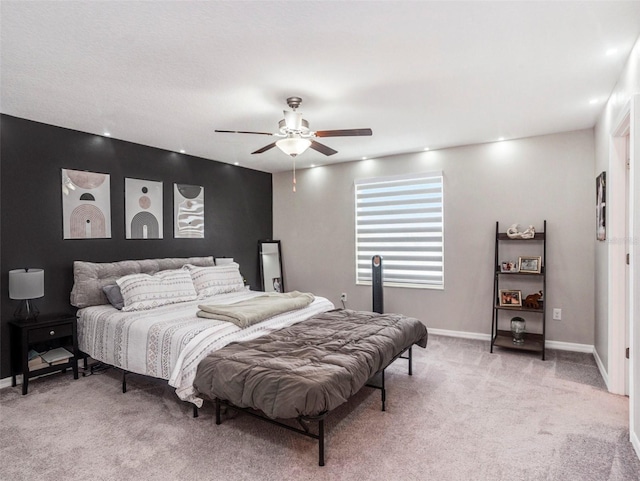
(313, 165)
(500, 139)
(426, 148)
(612, 51)
(593, 101)
(182, 151)
(236, 163)
(364, 158)
(107, 134)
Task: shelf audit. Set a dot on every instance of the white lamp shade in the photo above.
(26, 283)
(293, 145)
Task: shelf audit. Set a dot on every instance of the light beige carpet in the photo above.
(465, 414)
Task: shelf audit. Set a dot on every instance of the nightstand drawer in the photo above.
(52, 332)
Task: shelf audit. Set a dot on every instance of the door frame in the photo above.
(621, 305)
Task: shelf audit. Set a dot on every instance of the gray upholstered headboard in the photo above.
(90, 277)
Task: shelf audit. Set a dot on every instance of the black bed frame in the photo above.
(376, 382)
(124, 377)
(306, 421)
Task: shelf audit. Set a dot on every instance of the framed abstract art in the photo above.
(143, 209)
(86, 205)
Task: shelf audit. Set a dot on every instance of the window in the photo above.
(401, 219)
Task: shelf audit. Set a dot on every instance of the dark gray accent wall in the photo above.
(238, 209)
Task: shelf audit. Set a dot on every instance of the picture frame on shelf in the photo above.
(530, 264)
(509, 266)
(510, 298)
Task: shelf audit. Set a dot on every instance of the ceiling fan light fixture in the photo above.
(293, 146)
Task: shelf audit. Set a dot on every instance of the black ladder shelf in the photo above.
(533, 341)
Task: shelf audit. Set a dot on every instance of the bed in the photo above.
(167, 341)
(295, 364)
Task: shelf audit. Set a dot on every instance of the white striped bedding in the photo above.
(169, 341)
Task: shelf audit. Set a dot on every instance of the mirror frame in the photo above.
(262, 280)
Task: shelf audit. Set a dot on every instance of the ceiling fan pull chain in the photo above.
(294, 174)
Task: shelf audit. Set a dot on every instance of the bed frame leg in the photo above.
(410, 363)
(124, 382)
(321, 442)
(384, 393)
(195, 411)
(217, 403)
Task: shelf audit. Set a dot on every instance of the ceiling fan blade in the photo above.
(293, 120)
(343, 133)
(242, 132)
(265, 148)
(323, 149)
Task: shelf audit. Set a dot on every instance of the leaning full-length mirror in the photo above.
(271, 266)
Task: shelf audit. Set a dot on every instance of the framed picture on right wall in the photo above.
(601, 206)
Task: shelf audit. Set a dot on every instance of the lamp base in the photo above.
(26, 310)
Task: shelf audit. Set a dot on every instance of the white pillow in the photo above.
(210, 281)
(221, 261)
(144, 291)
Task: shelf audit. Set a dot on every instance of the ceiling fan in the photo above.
(295, 135)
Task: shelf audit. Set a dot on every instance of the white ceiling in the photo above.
(436, 74)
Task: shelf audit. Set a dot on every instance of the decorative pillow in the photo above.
(112, 291)
(144, 291)
(221, 261)
(90, 277)
(210, 281)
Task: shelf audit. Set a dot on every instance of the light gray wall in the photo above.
(627, 85)
(521, 181)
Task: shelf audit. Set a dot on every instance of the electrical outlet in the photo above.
(343, 297)
(557, 314)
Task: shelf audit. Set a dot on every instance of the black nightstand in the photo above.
(46, 332)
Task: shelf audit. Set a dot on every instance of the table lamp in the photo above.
(25, 285)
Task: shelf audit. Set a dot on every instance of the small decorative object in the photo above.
(517, 330)
(513, 233)
(25, 285)
(509, 266)
(601, 202)
(510, 298)
(530, 265)
(532, 301)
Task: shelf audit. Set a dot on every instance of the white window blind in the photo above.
(401, 219)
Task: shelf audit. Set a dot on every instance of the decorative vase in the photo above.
(517, 330)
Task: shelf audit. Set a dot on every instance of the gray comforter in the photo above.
(311, 367)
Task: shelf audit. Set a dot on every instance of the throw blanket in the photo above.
(249, 312)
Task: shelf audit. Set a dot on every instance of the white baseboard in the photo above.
(463, 334)
(635, 442)
(6, 382)
(570, 346)
(560, 345)
(601, 368)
